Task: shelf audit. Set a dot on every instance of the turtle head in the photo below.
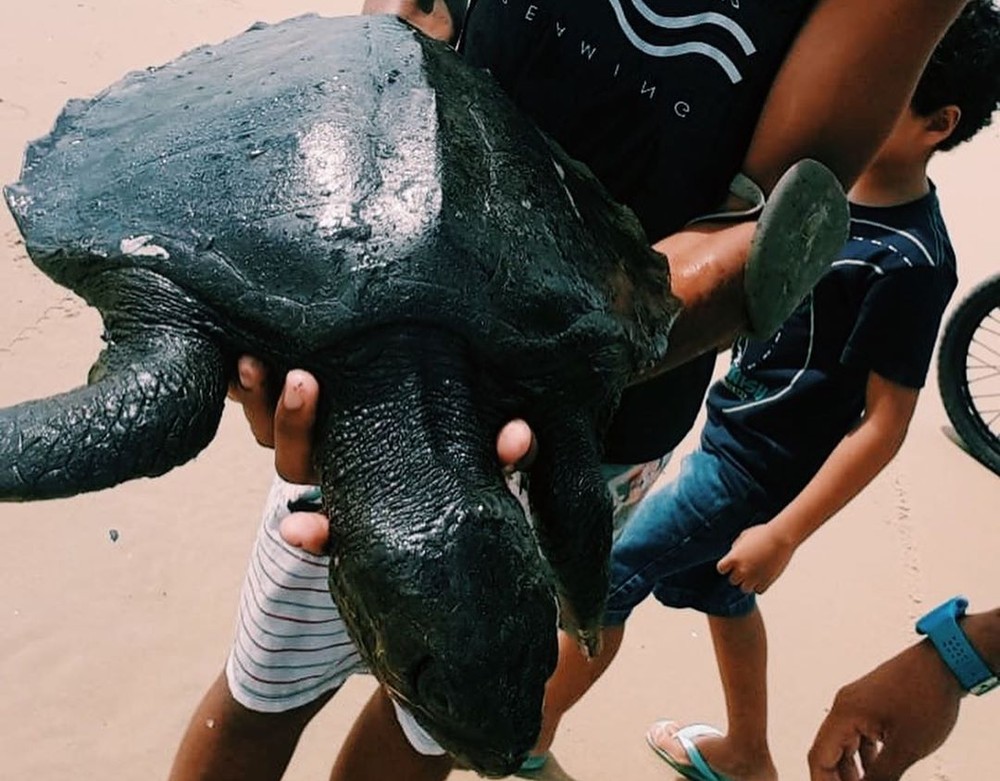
(461, 631)
(434, 564)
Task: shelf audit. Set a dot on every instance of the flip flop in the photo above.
(533, 765)
(801, 229)
(699, 769)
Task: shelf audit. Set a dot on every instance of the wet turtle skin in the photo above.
(347, 196)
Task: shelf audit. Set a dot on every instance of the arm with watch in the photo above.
(906, 707)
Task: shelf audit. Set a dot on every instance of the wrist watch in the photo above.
(942, 628)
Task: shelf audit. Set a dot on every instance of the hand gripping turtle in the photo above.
(346, 196)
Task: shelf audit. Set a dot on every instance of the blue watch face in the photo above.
(985, 686)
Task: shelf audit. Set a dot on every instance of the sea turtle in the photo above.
(347, 196)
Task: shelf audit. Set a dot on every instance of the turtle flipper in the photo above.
(573, 516)
(153, 402)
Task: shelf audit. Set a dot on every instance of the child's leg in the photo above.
(574, 676)
(742, 753)
(741, 654)
(691, 521)
(376, 748)
(226, 741)
(282, 668)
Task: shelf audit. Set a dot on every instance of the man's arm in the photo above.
(761, 553)
(899, 712)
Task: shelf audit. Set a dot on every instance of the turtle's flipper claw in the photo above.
(589, 638)
(590, 642)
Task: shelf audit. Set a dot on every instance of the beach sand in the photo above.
(106, 646)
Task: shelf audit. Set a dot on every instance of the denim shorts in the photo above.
(673, 541)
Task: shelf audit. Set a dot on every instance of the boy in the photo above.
(802, 421)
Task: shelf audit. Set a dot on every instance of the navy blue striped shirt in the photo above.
(786, 402)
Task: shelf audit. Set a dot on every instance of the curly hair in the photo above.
(964, 71)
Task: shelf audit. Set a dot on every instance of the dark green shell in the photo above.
(310, 180)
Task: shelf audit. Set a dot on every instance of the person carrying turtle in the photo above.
(680, 117)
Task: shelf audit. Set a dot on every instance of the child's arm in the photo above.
(761, 553)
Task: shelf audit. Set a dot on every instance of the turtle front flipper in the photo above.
(153, 401)
(573, 516)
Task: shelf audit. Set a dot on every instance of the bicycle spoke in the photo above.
(980, 378)
(985, 346)
(969, 362)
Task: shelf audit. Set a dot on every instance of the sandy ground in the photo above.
(106, 646)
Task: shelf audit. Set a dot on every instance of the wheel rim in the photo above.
(982, 374)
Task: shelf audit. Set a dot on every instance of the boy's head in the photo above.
(964, 74)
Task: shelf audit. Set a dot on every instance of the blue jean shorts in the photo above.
(674, 539)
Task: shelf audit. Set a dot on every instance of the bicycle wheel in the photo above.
(969, 372)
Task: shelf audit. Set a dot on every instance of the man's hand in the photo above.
(758, 556)
(892, 717)
(288, 428)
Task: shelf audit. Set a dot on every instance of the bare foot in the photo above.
(731, 762)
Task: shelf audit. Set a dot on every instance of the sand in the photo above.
(106, 645)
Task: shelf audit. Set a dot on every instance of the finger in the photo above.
(249, 388)
(822, 773)
(725, 564)
(892, 761)
(516, 446)
(847, 768)
(309, 531)
(869, 751)
(835, 741)
(818, 773)
(251, 373)
(293, 428)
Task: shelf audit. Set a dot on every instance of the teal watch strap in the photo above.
(942, 628)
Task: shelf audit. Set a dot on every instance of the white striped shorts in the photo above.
(291, 645)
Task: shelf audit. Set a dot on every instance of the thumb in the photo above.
(309, 531)
(726, 563)
(516, 445)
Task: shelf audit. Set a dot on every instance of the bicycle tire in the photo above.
(956, 363)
